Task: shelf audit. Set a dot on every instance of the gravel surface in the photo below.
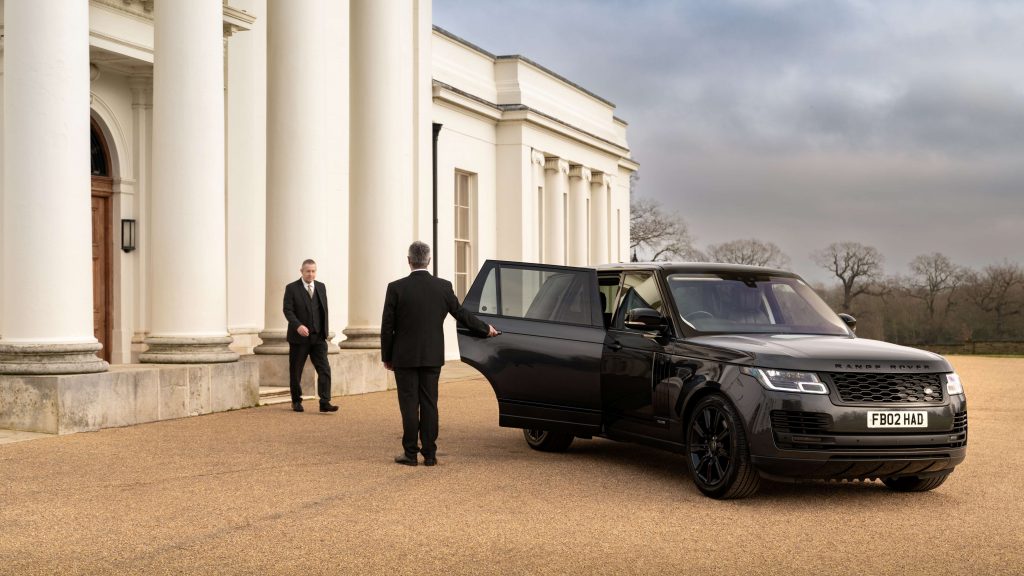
(269, 491)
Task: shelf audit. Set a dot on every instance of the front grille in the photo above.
(793, 422)
(856, 387)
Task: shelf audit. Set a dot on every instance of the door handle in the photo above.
(615, 346)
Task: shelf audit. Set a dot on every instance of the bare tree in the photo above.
(857, 266)
(659, 234)
(748, 251)
(931, 276)
(998, 289)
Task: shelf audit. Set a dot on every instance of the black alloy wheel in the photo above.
(547, 441)
(717, 450)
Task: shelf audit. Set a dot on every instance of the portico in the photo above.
(234, 140)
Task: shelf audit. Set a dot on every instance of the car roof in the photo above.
(693, 268)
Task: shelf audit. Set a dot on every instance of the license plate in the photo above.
(907, 419)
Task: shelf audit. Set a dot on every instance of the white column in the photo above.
(334, 63)
(381, 172)
(555, 172)
(188, 278)
(246, 136)
(579, 235)
(599, 221)
(296, 195)
(47, 238)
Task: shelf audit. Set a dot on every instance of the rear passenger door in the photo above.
(545, 365)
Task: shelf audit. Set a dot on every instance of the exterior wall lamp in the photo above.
(127, 235)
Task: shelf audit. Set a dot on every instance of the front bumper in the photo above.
(800, 436)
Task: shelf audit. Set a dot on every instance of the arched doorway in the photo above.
(102, 193)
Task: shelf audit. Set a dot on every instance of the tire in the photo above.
(915, 483)
(717, 452)
(547, 441)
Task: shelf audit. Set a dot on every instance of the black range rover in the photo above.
(745, 370)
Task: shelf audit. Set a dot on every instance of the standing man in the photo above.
(412, 344)
(305, 307)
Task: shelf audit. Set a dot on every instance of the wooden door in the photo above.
(102, 193)
(101, 271)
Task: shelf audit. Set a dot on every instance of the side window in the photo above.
(554, 296)
(608, 288)
(489, 295)
(639, 290)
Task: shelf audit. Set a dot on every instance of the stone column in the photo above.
(579, 217)
(47, 219)
(188, 278)
(296, 195)
(381, 172)
(599, 221)
(555, 171)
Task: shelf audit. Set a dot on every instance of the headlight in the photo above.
(953, 385)
(787, 380)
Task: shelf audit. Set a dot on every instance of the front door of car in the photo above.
(627, 384)
(545, 365)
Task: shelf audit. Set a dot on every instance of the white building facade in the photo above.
(232, 140)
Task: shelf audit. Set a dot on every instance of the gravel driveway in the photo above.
(269, 491)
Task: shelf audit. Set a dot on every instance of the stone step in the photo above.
(277, 395)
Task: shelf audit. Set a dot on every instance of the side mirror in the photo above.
(850, 321)
(646, 319)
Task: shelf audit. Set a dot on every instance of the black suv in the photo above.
(745, 370)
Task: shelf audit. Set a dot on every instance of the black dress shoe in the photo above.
(403, 459)
(328, 408)
(297, 406)
(430, 461)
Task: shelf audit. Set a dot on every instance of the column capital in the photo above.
(579, 171)
(556, 164)
(537, 157)
(141, 86)
(598, 178)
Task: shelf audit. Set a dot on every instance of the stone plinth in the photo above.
(352, 372)
(126, 395)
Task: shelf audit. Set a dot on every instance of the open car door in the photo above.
(545, 366)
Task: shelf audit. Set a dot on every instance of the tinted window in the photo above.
(638, 291)
(554, 296)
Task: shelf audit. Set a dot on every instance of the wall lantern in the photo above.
(128, 235)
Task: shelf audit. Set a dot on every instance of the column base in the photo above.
(361, 338)
(51, 359)
(274, 342)
(185, 350)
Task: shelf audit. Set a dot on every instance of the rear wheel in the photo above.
(915, 483)
(547, 441)
(717, 450)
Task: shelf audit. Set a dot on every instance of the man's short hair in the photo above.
(308, 261)
(419, 254)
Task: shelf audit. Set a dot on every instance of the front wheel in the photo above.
(547, 441)
(915, 483)
(717, 450)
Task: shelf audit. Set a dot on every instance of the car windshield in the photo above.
(762, 304)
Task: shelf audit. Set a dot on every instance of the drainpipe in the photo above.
(437, 130)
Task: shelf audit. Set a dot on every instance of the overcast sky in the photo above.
(897, 124)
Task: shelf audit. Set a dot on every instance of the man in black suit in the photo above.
(305, 307)
(412, 344)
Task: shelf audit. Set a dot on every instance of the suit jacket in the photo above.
(412, 327)
(298, 309)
